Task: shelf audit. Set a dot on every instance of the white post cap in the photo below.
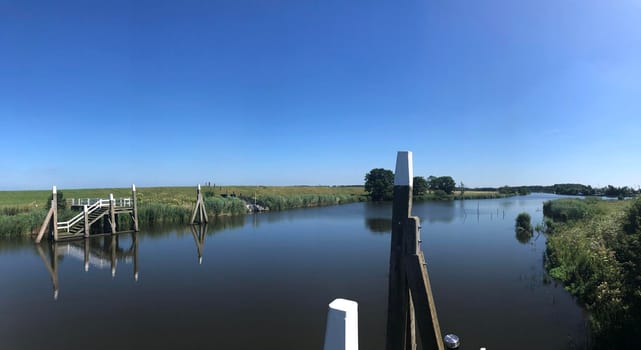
(404, 174)
(133, 188)
(55, 190)
(198, 187)
(341, 332)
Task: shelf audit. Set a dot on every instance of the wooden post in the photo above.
(135, 207)
(410, 299)
(200, 209)
(54, 206)
(112, 213)
(341, 332)
(398, 296)
(86, 221)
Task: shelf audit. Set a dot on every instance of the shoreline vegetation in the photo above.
(22, 212)
(594, 248)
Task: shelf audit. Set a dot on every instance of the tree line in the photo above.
(379, 184)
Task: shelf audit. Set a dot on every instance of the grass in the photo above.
(589, 250)
(22, 212)
(465, 195)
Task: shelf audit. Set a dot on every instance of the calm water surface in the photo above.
(264, 282)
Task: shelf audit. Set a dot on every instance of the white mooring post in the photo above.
(342, 325)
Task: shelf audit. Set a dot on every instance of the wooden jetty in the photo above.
(92, 211)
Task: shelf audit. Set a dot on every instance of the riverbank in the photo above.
(22, 212)
(594, 249)
(456, 195)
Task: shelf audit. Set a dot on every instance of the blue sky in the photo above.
(109, 93)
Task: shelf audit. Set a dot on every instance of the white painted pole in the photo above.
(342, 325)
(404, 169)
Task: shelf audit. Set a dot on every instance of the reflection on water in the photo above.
(379, 225)
(523, 236)
(97, 252)
(238, 282)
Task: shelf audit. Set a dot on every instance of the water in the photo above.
(264, 282)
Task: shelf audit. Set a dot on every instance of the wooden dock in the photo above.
(92, 213)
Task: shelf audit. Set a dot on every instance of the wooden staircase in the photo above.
(75, 227)
(79, 227)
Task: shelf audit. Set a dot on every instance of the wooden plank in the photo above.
(410, 343)
(419, 282)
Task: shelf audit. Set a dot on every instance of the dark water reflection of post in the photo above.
(51, 264)
(88, 250)
(199, 232)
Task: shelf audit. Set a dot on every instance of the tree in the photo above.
(379, 183)
(420, 186)
(443, 183)
(60, 199)
(462, 188)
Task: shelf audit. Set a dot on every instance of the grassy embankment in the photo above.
(440, 195)
(594, 248)
(21, 212)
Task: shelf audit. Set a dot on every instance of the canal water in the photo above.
(264, 281)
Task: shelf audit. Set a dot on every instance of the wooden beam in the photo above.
(398, 295)
(135, 208)
(54, 206)
(112, 213)
(45, 225)
(86, 221)
(419, 282)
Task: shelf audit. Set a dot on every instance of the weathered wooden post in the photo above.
(50, 224)
(135, 207)
(200, 209)
(84, 208)
(410, 297)
(54, 206)
(112, 213)
(398, 297)
(341, 332)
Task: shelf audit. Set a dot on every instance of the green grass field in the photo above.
(183, 196)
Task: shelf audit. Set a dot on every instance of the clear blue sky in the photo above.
(109, 93)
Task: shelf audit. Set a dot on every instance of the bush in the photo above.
(523, 227)
(564, 210)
